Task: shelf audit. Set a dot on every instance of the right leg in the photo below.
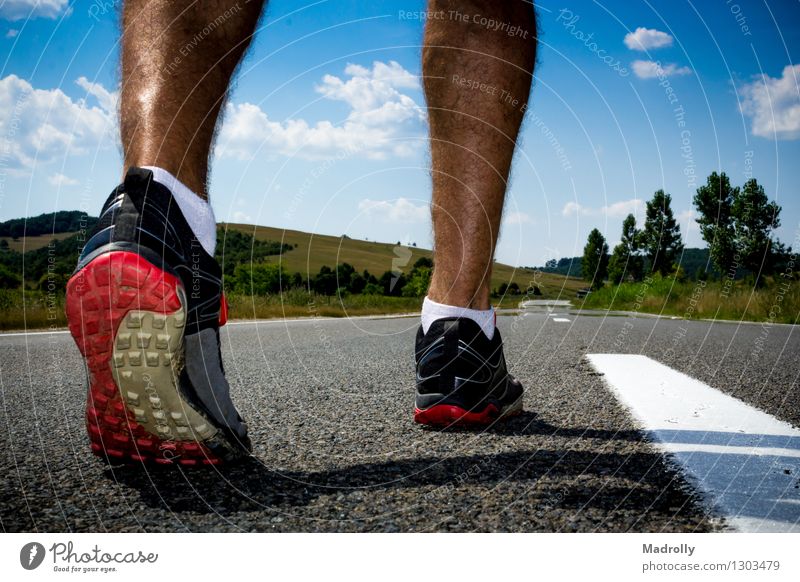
(178, 57)
(145, 303)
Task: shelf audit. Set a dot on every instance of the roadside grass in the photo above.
(39, 310)
(33, 310)
(301, 303)
(778, 301)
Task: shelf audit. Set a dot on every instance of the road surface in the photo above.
(329, 405)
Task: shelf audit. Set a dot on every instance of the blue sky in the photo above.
(325, 129)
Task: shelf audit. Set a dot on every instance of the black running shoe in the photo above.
(462, 377)
(145, 305)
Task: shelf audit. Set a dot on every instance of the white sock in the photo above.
(198, 212)
(431, 311)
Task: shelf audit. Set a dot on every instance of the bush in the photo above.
(258, 279)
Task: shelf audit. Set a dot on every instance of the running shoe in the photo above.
(144, 306)
(462, 378)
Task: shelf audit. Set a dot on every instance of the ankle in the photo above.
(433, 311)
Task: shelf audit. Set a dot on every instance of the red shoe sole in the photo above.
(99, 297)
(448, 415)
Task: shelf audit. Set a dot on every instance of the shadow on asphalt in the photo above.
(575, 479)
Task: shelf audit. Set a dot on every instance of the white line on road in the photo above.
(746, 461)
(561, 319)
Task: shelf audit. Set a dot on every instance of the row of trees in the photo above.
(267, 278)
(737, 223)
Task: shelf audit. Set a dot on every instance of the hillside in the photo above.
(312, 251)
(297, 251)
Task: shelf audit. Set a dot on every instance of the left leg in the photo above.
(477, 66)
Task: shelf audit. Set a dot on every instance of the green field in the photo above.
(31, 243)
(777, 301)
(34, 309)
(315, 250)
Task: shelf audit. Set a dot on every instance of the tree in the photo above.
(661, 237)
(754, 219)
(625, 260)
(714, 204)
(418, 281)
(391, 283)
(595, 259)
(324, 283)
(258, 278)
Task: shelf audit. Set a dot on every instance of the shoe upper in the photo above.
(142, 216)
(457, 364)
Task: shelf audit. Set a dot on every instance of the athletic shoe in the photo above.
(462, 378)
(144, 306)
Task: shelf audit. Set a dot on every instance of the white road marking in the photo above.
(561, 319)
(744, 460)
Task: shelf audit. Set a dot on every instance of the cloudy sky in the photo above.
(325, 130)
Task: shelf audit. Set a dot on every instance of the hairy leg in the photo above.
(178, 57)
(477, 65)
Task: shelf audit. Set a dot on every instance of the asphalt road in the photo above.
(329, 406)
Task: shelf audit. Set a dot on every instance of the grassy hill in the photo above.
(40, 304)
(31, 243)
(312, 251)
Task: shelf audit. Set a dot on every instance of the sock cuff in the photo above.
(431, 311)
(198, 212)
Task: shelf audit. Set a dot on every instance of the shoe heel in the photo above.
(99, 297)
(448, 415)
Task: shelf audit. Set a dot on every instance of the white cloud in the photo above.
(622, 209)
(379, 117)
(40, 125)
(106, 99)
(774, 104)
(19, 9)
(573, 209)
(643, 39)
(12, 32)
(241, 217)
(619, 209)
(513, 218)
(399, 210)
(654, 69)
(59, 180)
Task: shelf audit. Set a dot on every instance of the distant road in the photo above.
(329, 405)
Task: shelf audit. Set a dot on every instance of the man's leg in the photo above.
(178, 58)
(145, 303)
(477, 66)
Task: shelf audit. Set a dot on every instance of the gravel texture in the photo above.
(329, 406)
